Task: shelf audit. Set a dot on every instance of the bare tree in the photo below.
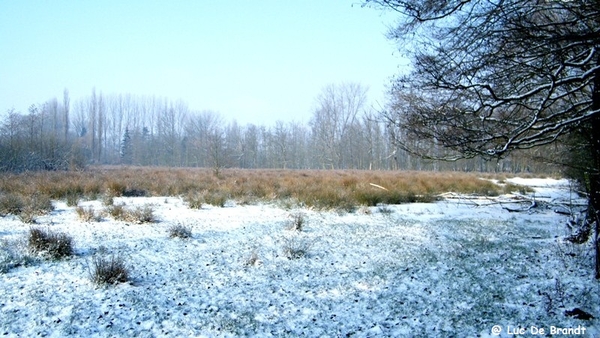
(251, 146)
(66, 120)
(207, 140)
(279, 138)
(298, 140)
(337, 110)
(491, 77)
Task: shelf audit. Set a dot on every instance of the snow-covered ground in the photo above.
(454, 268)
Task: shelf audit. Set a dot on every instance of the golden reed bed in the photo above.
(316, 188)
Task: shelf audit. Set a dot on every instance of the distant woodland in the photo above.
(343, 133)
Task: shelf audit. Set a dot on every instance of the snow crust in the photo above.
(456, 267)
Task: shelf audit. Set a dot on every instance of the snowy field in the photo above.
(454, 268)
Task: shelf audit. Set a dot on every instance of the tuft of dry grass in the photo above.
(215, 198)
(88, 214)
(109, 270)
(55, 245)
(180, 231)
(295, 247)
(115, 189)
(297, 221)
(116, 211)
(140, 214)
(194, 200)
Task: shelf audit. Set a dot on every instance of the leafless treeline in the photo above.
(343, 133)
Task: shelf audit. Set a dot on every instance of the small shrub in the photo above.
(194, 201)
(216, 198)
(55, 245)
(88, 214)
(141, 214)
(111, 270)
(295, 247)
(117, 212)
(115, 189)
(11, 204)
(144, 214)
(180, 231)
(36, 205)
(297, 221)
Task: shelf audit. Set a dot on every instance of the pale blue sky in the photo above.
(255, 61)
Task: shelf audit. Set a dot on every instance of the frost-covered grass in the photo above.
(440, 269)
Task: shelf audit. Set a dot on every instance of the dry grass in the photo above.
(295, 247)
(26, 208)
(116, 211)
(297, 221)
(11, 204)
(55, 245)
(109, 270)
(180, 231)
(140, 214)
(338, 189)
(88, 214)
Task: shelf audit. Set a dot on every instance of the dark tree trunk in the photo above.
(594, 174)
(594, 191)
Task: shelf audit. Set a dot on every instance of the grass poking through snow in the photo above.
(55, 245)
(109, 270)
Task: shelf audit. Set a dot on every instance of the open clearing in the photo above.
(455, 267)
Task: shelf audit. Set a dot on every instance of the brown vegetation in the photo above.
(55, 245)
(314, 188)
(109, 270)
